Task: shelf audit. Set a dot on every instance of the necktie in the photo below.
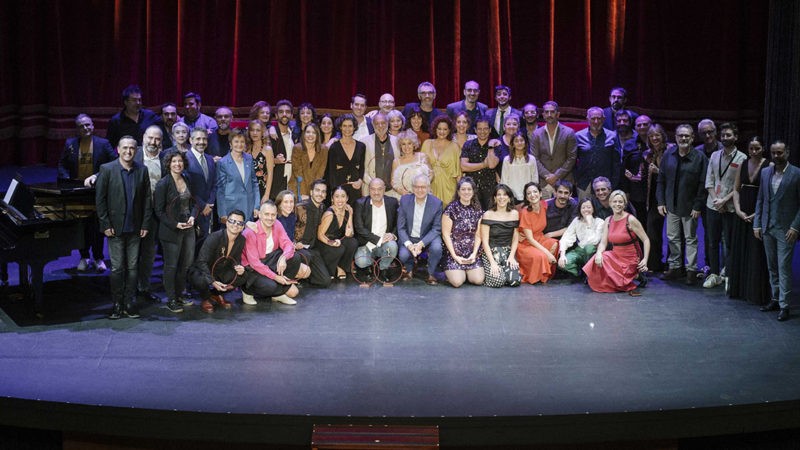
(204, 165)
(500, 127)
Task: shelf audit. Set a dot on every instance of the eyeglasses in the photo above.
(238, 223)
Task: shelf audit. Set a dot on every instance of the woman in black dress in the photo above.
(346, 161)
(337, 246)
(746, 261)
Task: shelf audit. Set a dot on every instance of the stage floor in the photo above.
(405, 351)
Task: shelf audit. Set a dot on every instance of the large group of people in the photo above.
(477, 195)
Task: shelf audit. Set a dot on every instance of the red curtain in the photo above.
(64, 56)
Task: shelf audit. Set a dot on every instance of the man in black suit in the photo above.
(124, 201)
(375, 223)
(282, 148)
(427, 95)
(497, 116)
(202, 180)
(80, 162)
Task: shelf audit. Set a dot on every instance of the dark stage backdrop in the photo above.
(678, 58)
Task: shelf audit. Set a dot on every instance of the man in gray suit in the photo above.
(122, 194)
(777, 223)
(555, 149)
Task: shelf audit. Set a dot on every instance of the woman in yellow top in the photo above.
(444, 157)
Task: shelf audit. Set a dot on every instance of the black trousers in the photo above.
(320, 277)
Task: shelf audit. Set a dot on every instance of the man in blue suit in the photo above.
(80, 161)
(419, 227)
(202, 180)
(777, 223)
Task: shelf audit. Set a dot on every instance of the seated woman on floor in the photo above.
(461, 236)
(615, 270)
(499, 239)
(586, 230)
(335, 241)
(536, 253)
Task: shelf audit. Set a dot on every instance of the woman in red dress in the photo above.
(536, 253)
(615, 270)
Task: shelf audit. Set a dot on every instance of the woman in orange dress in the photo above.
(536, 253)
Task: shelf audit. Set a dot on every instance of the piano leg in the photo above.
(37, 284)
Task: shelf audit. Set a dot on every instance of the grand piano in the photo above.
(40, 223)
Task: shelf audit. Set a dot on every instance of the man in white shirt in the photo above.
(375, 223)
(419, 227)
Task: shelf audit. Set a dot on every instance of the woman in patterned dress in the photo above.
(461, 235)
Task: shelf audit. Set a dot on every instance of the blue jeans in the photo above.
(124, 251)
(434, 254)
(386, 252)
(779, 262)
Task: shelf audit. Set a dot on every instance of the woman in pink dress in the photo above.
(536, 253)
(615, 270)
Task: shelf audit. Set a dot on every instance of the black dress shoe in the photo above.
(783, 315)
(642, 280)
(149, 297)
(673, 274)
(771, 306)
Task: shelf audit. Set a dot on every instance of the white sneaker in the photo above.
(248, 299)
(100, 265)
(84, 264)
(285, 299)
(722, 272)
(713, 280)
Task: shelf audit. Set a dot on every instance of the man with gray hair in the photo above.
(375, 225)
(419, 227)
(150, 157)
(80, 162)
(381, 148)
(681, 195)
(427, 95)
(597, 154)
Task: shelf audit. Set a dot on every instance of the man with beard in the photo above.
(632, 149)
(81, 160)
(380, 154)
(530, 116)
(469, 105)
(169, 115)
(427, 95)
(723, 166)
(708, 134)
(150, 158)
(193, 118)
(555, 150)
(218, 143)
(497, 116)
(681, 195)
(282, 148)
(777, 223)
(202, 173)
(618, 98)
(133, 120)
(597, 154)
(561, 209)
(309, 215)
